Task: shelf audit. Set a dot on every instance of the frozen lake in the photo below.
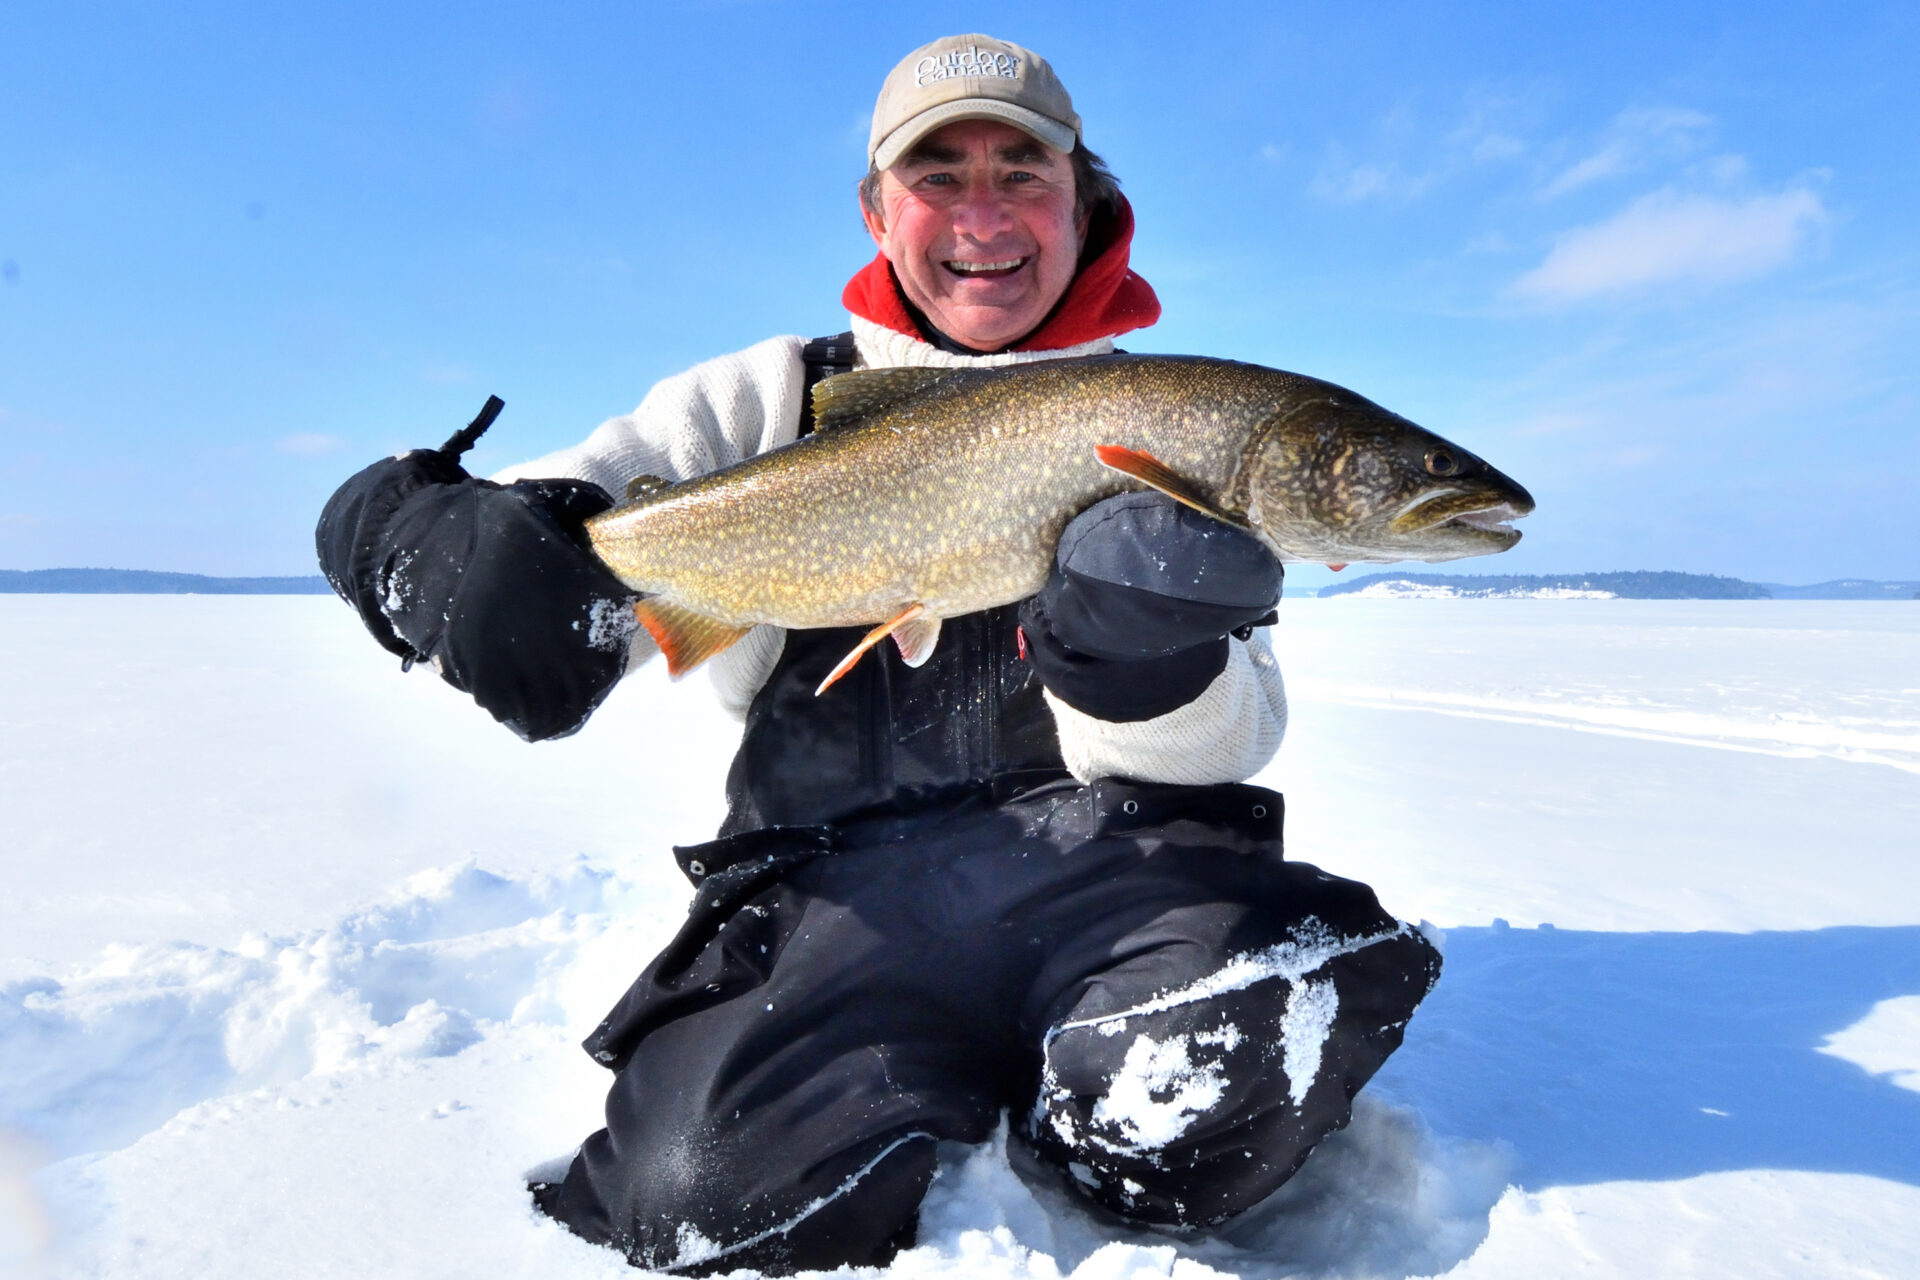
(296, 951)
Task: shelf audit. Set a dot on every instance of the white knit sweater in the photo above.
(717, 413)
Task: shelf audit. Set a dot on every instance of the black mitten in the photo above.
(492, 584)
(1133, 623)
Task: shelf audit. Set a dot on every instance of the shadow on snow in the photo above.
(1651, 1056)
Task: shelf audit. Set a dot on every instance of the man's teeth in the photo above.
(965, 267)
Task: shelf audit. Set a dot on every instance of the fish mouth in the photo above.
(1480, 515)
(1495, 520)
(986, 270)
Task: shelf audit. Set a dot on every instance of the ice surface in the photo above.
(297, 951)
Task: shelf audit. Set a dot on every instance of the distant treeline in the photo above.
(149, 583)
(1846, 589)
(1637, 585)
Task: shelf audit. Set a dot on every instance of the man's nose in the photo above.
(982, 212)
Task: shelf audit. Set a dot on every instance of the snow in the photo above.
(1303, 1034)
(298, 951)
(1148, 1123)
(1886, 1042)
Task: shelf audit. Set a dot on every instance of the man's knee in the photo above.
(1167, 1119)
(1195, 1103)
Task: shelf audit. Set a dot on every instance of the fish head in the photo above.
(1339, 479)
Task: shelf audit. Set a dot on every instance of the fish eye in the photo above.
(1442, 463)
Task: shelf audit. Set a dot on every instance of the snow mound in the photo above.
(92, 1062)
(375, 1092)
(1383, 1197)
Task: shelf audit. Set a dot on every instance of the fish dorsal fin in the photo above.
(640, 486)
(686, 638)
(848, 397)
(1155, 474)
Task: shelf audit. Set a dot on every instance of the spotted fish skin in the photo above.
(948, 489)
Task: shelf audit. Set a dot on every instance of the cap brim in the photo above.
(1045, 128)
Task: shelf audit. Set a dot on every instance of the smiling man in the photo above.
(1025, 880)
(980, 225)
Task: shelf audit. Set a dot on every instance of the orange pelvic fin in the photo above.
(1155, 474)
(891, 628)
(686, 638)
(1336, 567)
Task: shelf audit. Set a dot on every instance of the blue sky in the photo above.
(1660, 262)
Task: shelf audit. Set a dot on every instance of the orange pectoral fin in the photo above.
(902, 628)
(685, 637)
(1155, 474)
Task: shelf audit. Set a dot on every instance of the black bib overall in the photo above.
(915, 922)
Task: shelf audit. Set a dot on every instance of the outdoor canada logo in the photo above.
(970, 61)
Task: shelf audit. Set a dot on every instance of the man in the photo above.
(1025, 878)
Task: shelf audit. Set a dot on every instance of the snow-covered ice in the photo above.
(296, 952)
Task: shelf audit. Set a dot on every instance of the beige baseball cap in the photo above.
(971, 77)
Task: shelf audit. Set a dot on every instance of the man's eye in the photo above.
(938, 179)
(1021, 175)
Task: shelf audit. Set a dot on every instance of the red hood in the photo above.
(1104, 300)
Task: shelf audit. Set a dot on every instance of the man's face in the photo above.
(977, 220)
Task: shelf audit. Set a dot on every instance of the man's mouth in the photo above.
(985, 270)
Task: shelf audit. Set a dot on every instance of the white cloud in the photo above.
(1491, 242)
(1635, 136)
(1670, 238)
(1413, 158)
(308, 444)
(1726, 169)
(1347, 184)
(1655, 122)
(1613, 158)
(1495, 147)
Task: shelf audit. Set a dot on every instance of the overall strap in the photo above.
(823, 358)
(888, 734)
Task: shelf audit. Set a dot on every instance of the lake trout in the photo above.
(929, 493)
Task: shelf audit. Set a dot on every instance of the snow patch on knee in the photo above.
(1159, 1091)
(1311, 1008)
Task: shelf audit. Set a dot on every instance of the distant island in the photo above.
(146, 582)
(1633, 585)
